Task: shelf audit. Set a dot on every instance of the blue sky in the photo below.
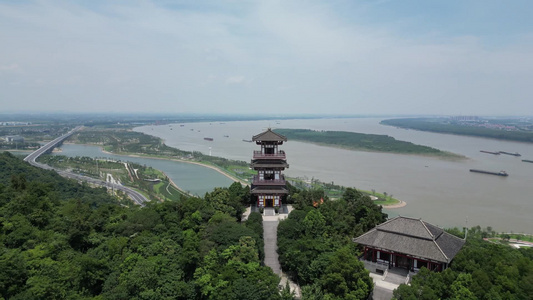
(288, 57)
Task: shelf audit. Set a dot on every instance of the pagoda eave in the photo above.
(262, 190)
(278, 166)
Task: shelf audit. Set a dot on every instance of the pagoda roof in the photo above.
(269, 136)
(413, 237)
(269, 190)
(269, 163)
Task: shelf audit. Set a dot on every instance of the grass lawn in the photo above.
(172, 193)
(520, 237)
(153, 173)
(497, 241)
(244, 173)
(382, 199)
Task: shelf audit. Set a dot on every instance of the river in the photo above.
(192, 178)
(441, 192)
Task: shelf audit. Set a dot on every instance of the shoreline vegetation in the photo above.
(203, 164)
(364, 142)
(442, 125)
(383, 200)
(130, 143)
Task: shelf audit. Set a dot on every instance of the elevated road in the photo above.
(32, 157)
(137, 197)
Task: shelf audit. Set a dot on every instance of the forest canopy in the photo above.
(63, 240)
(315, 244)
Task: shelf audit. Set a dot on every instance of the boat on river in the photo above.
(501, 173)
(509, 153)
(208, 139)
(490, 152)
(527, 160)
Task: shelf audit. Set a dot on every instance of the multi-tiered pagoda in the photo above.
(269, 186)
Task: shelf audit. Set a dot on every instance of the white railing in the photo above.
(259, 154)
(257, 181)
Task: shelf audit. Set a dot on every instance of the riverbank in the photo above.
(383, 201)
(231, 169)
(399, 205)
(234, 178)
(476, 128)
(176, 186)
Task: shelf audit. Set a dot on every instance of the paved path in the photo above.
(270, 235)
(385, 284)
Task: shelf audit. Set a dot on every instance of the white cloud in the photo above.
(235, 80)
(13, 67)
(283, 51)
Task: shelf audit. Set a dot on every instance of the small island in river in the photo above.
(362, 142)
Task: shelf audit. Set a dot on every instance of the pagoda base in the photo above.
(269, 200)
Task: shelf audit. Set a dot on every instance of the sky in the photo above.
(446, 57)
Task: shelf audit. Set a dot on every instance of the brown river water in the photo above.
(442, 192)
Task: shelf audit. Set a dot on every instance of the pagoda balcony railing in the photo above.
(257, 181)
(260, 155)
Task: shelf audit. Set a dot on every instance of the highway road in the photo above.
(137, 197)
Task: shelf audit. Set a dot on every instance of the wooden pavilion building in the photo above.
(410, 244)
(269, 186)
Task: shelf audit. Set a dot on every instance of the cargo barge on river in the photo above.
(501, 173)
(509, 153)
(490, 152)
(527, 160)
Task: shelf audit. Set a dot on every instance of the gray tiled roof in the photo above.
(269, 136)
(269, 190)
(269, 163)
(413, 237)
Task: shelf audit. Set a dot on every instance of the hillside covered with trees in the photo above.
(60, 239)
(63, 240)
(315, 244)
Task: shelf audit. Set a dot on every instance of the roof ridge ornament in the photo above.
(427, 229)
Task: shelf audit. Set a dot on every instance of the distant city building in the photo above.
(466, 118)
(411, 244)
(269, 185)
(14, 123)
(14, 139)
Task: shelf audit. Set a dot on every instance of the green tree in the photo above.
(314, 223)
(221, 200)
(345, 277)
(460, 287)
